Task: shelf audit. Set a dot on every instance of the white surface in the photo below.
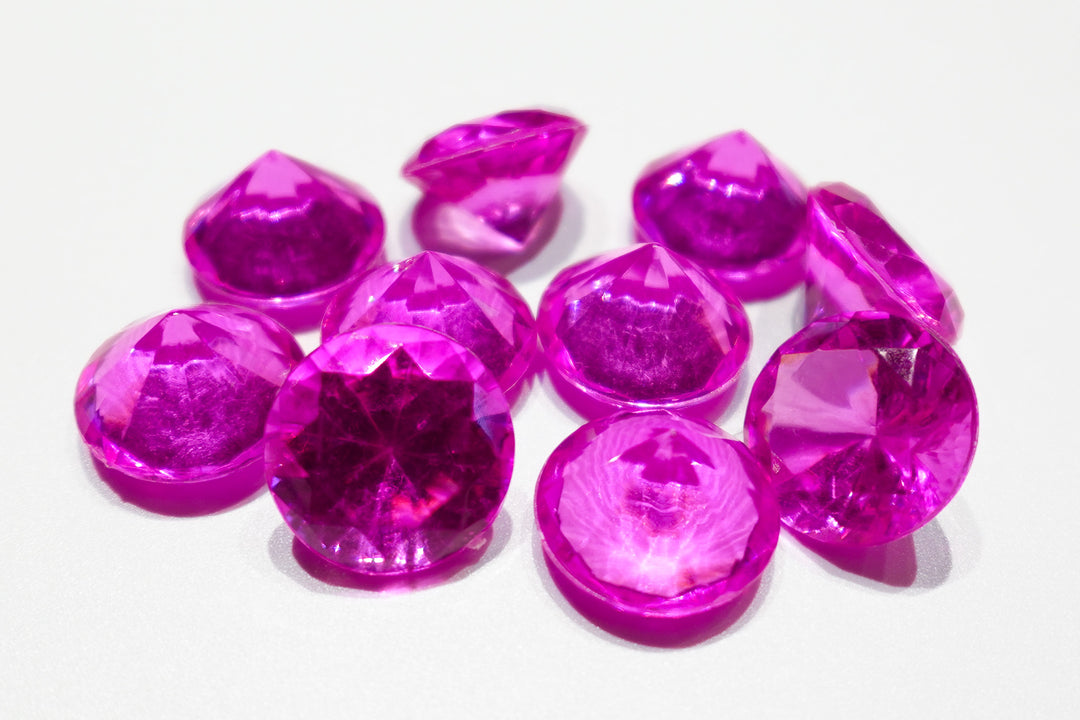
(959, 119)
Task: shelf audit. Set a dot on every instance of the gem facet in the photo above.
(491, 185)
(643, 327)
(283, 235)
(856, 261)
(655, 514)
(455, 296)
(868, 424)
(183, 397)
(389, 449)
(730, 206)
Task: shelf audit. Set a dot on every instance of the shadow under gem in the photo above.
(659, 633)
(316, 573)
(920, 560)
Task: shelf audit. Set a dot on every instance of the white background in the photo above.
(959, 119)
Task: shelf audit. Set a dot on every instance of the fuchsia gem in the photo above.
(656, 515)
(283, 237)
(643, 327)
(455, 296)
(492, 185)
(868, 425)
(389, 449)
(183, 397)
(730, 206)
(856, 261)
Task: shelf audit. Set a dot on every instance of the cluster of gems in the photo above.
(389, 448)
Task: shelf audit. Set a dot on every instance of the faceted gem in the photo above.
(643, 327)
(867, 424)
(657, 515)
(491, 185)
(284, 234)
(730, 206)
(455, 296)
(389, 449)
(183, 397)
(856, 261)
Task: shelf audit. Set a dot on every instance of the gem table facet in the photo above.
(283, 235)
(491, 185)
(856, 261)
(643, 327)
(453, 295)
(656, 515)
(730, 206)
(183, 397)
(867, 424)
(389, 449)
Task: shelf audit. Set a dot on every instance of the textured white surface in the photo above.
(959, 119)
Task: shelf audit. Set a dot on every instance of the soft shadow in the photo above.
(659, 634)
(799, 320)
(310, 570)
(921, 560)
(182, 499)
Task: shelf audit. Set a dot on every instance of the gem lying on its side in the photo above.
(492, 185)
(856, 261)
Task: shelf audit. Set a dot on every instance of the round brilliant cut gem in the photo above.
(856, 261)
(656, 515)
(643, 327)
(730, 206)
(182, 398)
(283, 236)
(492, 185)
(867, 424)
(453, 295)
(389, 449)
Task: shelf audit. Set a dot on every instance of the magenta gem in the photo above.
(656, 515)
(856, 261)
(868, 425)
(455, 296)
(730, 206)
(183, 397)
(283, 236)
(389, 449)
(492, 185)
(643, 327)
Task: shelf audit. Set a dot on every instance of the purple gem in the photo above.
(455, 296)
(491, 185)
(868, 424)
(283, 237)
(730, 206)
(643, 327)
(856, 261)
(657, 515)
(183, 397)
(389, 449)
